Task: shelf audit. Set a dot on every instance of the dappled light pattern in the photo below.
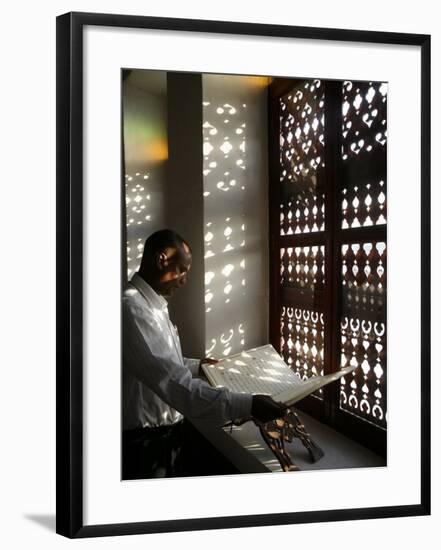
(364, 152)
(145, 144)
(224, 166)
(302, 121)
(257, 371)
(138, 217)
(363, 330)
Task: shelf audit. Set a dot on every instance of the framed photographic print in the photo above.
(243, 288)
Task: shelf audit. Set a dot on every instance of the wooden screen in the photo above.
(328, 245)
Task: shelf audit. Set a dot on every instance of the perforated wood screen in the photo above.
(328, 190)
(302, 120)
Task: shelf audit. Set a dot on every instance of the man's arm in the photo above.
(148, 355)
(192, 365)
(195, 365)
(263, 407)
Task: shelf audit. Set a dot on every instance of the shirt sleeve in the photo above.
(192, 365)
(148, 354)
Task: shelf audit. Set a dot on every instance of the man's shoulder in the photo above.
(136, 304)
(130, 293)
(132, 300)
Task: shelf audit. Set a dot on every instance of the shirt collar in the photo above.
(147, 291)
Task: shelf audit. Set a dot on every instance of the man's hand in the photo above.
(205, 361)
(264, 408)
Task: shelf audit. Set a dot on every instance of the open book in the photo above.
(262, 371)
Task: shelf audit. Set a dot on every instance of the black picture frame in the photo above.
(69, 271)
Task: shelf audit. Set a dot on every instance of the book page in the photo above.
(262, 371)
(258, 370)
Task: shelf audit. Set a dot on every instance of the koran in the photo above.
(262, 371)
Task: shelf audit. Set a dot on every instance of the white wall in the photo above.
(236, 212)
(145, 145)
(27, 389)
(235, 202)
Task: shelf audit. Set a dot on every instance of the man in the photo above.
(160, 386)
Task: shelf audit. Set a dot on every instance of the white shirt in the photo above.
(159, 384)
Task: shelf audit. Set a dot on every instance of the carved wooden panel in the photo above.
(364, 117)
(364, 279)
(364, 205)
(363, 330)
(355, 188)
(302, 341)
(364, 142)
(302, 159)
(302, 267)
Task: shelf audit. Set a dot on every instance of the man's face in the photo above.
(173, 265)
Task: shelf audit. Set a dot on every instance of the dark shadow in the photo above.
(45, 520)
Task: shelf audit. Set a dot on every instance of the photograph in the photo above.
(253, 269)
(233, 290)
(220, 327)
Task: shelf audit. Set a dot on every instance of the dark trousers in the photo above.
(170, 451)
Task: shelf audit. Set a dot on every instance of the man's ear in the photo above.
(161, 260)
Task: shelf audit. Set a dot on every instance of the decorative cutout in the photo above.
(303, 267)
(364, 117)
(364, 280)
(364, 137)
(363, 190)
(363, 331)
(302, 208)
(364, 205)
(302, 342)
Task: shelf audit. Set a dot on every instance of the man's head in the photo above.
(165, 262)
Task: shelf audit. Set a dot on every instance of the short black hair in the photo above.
(159, 241)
